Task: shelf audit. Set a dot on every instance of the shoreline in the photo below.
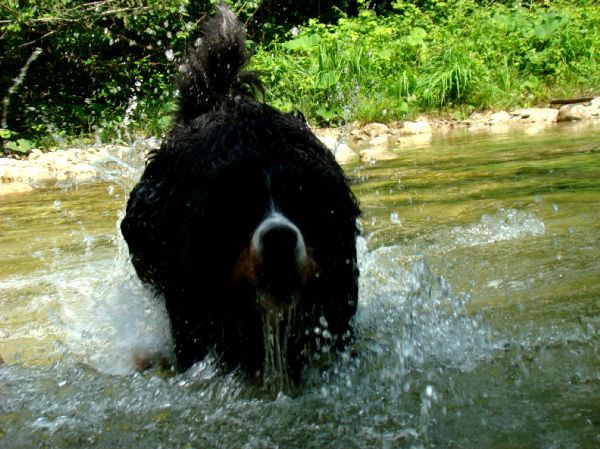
(373, 141)
(353, 143)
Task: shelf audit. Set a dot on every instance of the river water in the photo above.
(478, 323)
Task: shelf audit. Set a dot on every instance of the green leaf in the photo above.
(165, 121)
(303, 42)
(327, 79)
(416, 38)
(23, 146)
(503, 22)
(531, 83)
(329, 114)
(549, 24)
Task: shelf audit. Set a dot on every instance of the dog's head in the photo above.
(265, 206)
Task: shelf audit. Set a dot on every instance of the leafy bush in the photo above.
(102, 64)
(446, 55)
(106, 67)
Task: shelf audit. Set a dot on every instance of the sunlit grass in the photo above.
(475, 58)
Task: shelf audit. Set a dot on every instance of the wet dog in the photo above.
(244, 222)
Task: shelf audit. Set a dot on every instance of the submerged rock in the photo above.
(15, 187)
(413, 139)
(377, 154)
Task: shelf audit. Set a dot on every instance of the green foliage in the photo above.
(103, 64)
(107, 67)
(22, 146)
(434, 56)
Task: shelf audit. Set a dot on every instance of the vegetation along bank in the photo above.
(71, 69)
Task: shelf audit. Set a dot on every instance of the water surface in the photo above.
(478, 320)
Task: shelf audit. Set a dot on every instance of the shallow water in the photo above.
(478, 320)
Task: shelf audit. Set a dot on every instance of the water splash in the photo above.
(17, 82)
(507, 224)
(411, 318)
(425, 371)
(277, 328)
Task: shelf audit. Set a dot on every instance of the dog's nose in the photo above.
(278, 240)
(281, 262)
(280, 237)
(279, 243)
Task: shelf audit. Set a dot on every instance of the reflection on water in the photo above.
(478, 323)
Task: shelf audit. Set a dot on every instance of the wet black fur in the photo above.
(204, 192)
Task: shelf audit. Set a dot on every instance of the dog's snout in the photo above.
(277, 240)
(281, 265)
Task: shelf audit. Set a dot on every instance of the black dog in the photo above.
(244, 221)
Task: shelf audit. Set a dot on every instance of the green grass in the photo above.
(459, 57)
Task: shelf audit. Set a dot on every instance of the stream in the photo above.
(478, 322)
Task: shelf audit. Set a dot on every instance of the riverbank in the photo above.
(374, 141)
(354, 143)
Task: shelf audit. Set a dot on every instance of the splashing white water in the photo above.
(508, 224)
(110, 320)
(411, 317)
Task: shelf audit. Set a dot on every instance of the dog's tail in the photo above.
(212, 70)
